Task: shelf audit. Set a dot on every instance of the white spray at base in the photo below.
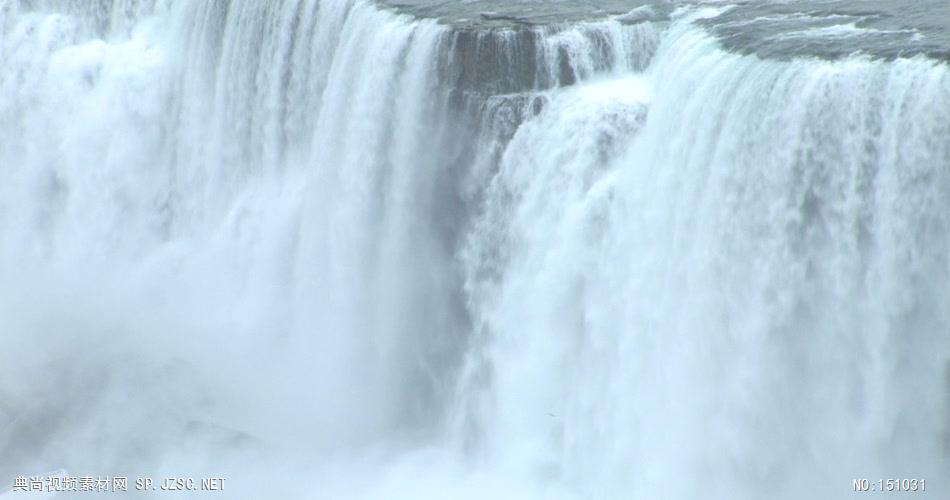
(235, 239)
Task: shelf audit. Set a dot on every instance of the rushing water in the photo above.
(340, 249)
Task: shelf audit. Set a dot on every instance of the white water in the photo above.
(256, 242)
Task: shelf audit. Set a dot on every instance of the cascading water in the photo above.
(347, 249)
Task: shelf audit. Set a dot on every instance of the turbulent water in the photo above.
(420, 249)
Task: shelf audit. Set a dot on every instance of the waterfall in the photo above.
(403, 254)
